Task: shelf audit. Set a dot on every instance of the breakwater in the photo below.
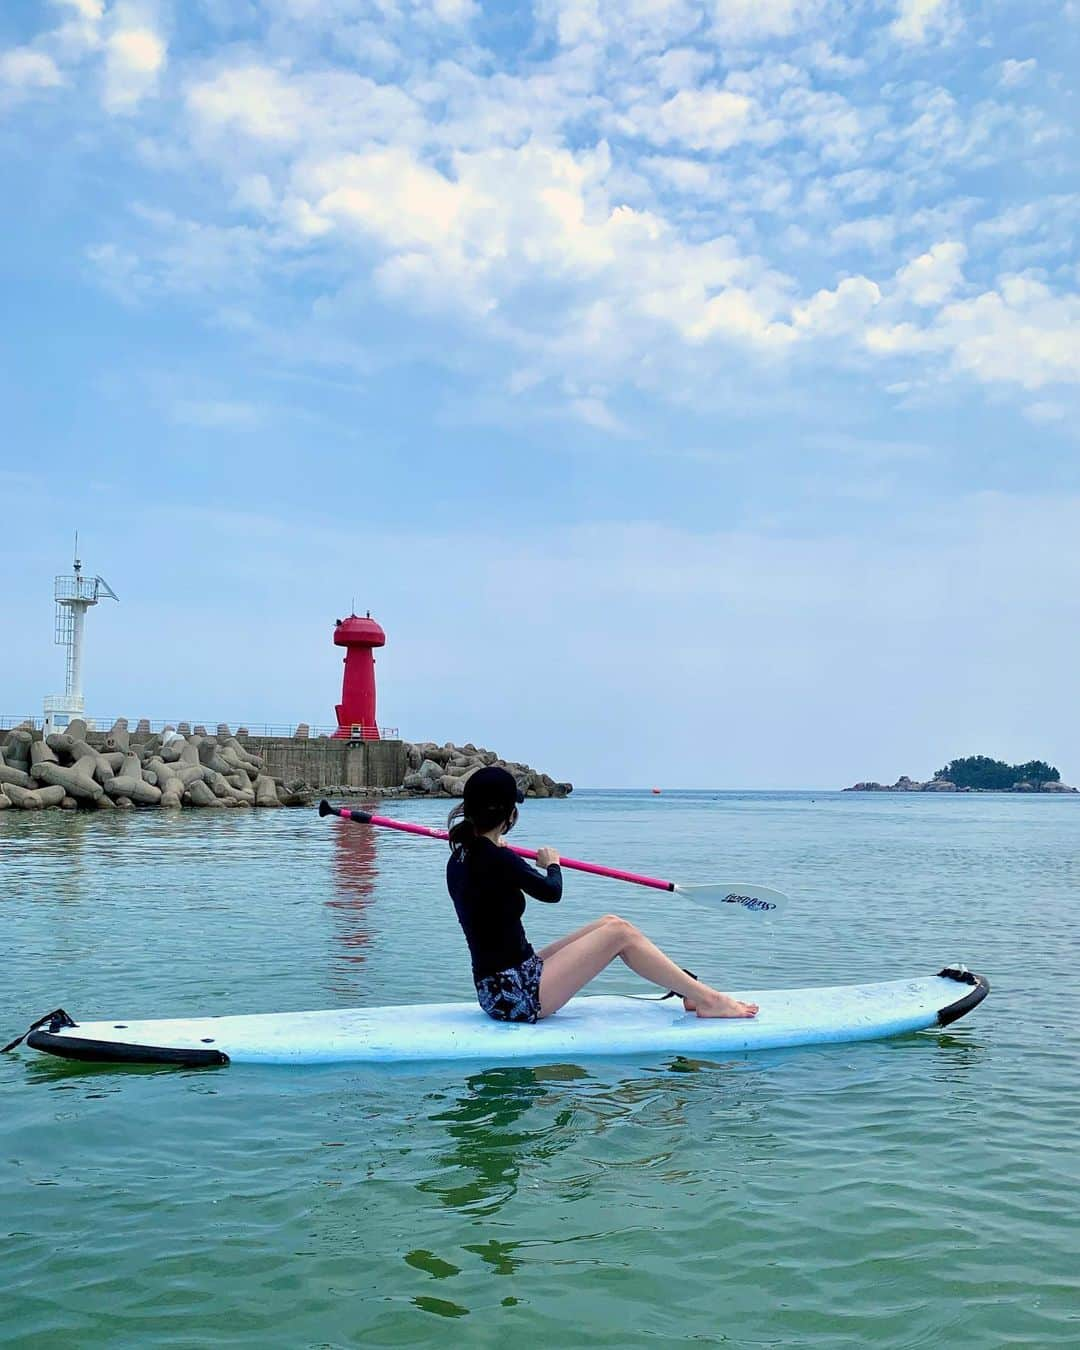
(392, 768)
(179, 767)
(170, 769)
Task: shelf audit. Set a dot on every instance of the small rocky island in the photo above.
(978, 773)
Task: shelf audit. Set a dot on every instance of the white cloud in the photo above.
(1045, 412)
(23, 68)
(217, 414)
(700, 119)
(594, 412)
(508, 223)
(868, 232)
(748, 20)
(502, 220)
(576, 21)
(899, 339)
(682, 67)
(254, 193)
(841, 311)
(86, 9)
(455, 11)
(119, 271)
(448, 182)
(739, 314)
(820, 56)
(255, 101)
(653, 26)
(1039, 232)
(134, 57)
(786, 104)
(183, 257)
(1017, 220)
(932, 278)
(943, 131)
(392, 195)
(137, 51)
(704, 119)
(659, 26)
(861, 186)
(1021, 334)
(1014, 73)
(917, 20)
(692, 176)
(824, 119)
(278, 110)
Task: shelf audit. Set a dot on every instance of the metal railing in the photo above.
(263, 729)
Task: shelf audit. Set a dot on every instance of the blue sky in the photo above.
(690, 389)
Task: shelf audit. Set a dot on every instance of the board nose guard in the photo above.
(980, 988)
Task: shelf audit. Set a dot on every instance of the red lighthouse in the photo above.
(356, 711)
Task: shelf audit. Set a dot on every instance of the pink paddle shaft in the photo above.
(405, 827)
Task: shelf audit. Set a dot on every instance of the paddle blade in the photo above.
(745, 896)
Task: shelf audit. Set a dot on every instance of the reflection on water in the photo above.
(50, 1071)
(498, 1255)
(34, 851)
(487, 1153)
(355, 874)
(864, 1194)
(491, 1144)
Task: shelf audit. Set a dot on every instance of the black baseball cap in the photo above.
(492, 787)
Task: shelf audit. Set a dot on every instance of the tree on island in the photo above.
(979, 771)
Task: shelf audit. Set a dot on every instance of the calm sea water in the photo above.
(913, 1192)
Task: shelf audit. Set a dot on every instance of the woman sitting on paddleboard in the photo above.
(488, 885)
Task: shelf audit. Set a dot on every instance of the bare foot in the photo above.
(723, 1005)
(689, 1005)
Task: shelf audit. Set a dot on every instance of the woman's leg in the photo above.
(545, 953)
(575, 964)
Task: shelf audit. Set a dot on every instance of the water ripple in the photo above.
(906, 1193)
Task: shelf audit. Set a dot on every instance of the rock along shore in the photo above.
(905, 784)
(443, 770)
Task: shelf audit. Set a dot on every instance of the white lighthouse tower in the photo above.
(74, 595)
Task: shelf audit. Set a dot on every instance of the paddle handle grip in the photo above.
(406, 827)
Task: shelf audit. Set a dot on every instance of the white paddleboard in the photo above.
(586, 1026)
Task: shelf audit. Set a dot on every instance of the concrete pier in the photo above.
(325, 762)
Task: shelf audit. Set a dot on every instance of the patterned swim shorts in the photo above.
(512, 995)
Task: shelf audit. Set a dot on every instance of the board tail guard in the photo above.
(118, 1052)
(45, 1034)
(56, 1019)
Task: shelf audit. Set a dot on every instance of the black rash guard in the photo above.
(486, 885)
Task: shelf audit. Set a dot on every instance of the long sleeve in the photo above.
(546, 886)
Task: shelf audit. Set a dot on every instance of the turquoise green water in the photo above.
(901, 1193)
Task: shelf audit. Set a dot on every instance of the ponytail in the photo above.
(464, 833)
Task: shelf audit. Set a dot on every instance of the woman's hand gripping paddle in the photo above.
(728, 895)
